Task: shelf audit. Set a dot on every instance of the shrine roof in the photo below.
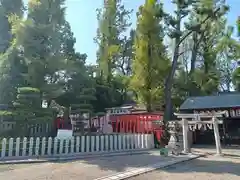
(212, 102)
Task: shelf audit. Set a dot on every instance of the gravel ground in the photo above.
(210, 168)
(11, 167)
(85, 170)
(206, 168)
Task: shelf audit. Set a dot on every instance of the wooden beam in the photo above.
(204, 122)
(196, 116)
(201, 122)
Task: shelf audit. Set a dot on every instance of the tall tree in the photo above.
(126, 55)
(236, 72)
(7, 8)
(227, 52)
(179, 34)
(40, 35)
(238, 26)
(204, 52)
(113, 21)
(150, 63)
(11, 65)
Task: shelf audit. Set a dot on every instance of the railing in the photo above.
(42, 147)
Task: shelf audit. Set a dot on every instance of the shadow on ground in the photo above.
(209, 164)
(224, 165)
(120, 163)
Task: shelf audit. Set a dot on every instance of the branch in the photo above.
(190, 32)
(181, 53)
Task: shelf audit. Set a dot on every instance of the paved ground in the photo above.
(75, 170)
(205, 168)
(212, 149)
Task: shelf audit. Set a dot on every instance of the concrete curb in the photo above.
(146, 169)
(72, 157)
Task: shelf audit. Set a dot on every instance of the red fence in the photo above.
(135, 123)
(124, 123)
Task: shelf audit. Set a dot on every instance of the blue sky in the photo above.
(81, 14)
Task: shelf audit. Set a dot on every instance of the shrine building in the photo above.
(228, 102)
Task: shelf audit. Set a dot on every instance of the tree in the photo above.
(238, 25)
(11, 61)
(83, 109)
(227, 49)
(76, 78)
(40, 37)
(150, 63)
(124, 62)
(28, 109)
(7, 8)
(236, 72)
(113, 21)
(179, 34)
(113, 49)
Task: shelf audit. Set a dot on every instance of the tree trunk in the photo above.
(169, 80)
(169, 83)
(193, 63)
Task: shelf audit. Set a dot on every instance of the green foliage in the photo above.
(11, 64)
(238, 25)
(236, 78)
(113, 22)
(108, 94)
(150, 63)
(28, 107)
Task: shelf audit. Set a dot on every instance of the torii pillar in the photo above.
(197, 117)
(217, 136)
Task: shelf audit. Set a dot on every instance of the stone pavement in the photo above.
(151, 167)
(232, 151)
(87, 169)
(204, 168)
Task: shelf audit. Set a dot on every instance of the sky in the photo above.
(81, 14)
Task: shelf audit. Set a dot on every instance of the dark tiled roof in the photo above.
(212, 102)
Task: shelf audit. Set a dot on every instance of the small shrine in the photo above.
(229, 129)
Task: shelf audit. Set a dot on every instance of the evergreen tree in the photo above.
(11, 61)
(40, 37)
(8, 8)
(83, 110)
(150, 63)
(28, 109)
(209, 10)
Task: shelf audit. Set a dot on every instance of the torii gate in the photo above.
(197, 121)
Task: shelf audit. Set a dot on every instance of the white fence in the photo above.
(50, 147)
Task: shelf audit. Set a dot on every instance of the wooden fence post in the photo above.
(3, 150)
(17, 147)
(10, 148)
(49, 147)
(24, 149)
